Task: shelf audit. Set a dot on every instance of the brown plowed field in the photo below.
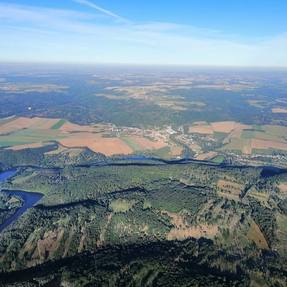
(107, 146)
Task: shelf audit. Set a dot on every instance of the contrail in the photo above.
(102, 10)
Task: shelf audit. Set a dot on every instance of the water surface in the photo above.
(29, 199)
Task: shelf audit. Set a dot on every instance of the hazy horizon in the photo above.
(166, 65)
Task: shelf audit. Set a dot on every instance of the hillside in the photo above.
(226, 222)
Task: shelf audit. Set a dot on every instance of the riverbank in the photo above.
(29, 199)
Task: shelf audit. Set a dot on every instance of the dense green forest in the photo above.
(39, 157)
(8, 206)
(204, 224)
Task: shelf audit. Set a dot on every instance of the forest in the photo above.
(224, 221)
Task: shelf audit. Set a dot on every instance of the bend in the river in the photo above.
(29, 198)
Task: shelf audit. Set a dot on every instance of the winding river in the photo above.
(29, 199)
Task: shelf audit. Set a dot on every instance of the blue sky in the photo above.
(206, 32)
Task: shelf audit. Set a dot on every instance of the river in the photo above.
(29, 199)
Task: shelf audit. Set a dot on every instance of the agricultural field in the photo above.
(239, 116)
(260, 138)
(242, 139)
(224, 137)
(23, 133)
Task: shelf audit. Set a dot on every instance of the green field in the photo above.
(58, 125)
(133, 145)
(265, 133)
(163, 152)
(249, 134)
(29, 136)
(218, 159)
(235, 144)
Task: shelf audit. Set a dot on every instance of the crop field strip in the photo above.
(19, 133)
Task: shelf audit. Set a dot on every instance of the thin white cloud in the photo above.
(102, 10)
(37, 33)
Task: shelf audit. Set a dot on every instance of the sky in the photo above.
(182, 32)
